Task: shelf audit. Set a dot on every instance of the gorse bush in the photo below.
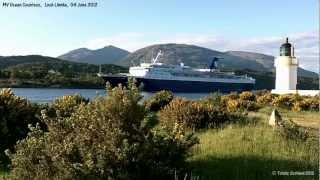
(231, 96)
(159, 100)
(194, 115)
(266, 99)
(214, 99)
(111, 137)
(247, 101)
(189, 114)
(296, 102)
(261, 92)
(314, 103)
(66, 105)
(247, 96)
(233, 105)
(284, 101)
(15, 115)
(233, 102)
(249, 105)
(302, 105)
(306, 104)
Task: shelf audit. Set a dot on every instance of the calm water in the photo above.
(47, 95)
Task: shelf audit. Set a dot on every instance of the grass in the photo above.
(306, 119)
(255, 150)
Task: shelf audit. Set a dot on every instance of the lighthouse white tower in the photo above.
(286, 68)
(286, 73)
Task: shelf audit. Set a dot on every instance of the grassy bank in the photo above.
(254, 150)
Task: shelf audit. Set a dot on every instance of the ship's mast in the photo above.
(154, 60)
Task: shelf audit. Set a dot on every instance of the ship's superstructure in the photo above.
(157, 76)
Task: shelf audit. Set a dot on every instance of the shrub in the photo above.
(247, 96)
(315, 103)
(214, 99)
(303, 105)
(194, 115)
(15, 115)
(261, 92)
(232, 95)
(159, 100)
(109, 138)
(226, 98)
(249, 106)
(306, 104)
(284, 101)
(175, 113)
(296, 102)
(233, 105)
(241, 105)
(266, 99)
(66, 105)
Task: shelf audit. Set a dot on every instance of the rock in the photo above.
(275, 118)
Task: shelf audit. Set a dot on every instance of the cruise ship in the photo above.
(156, 76)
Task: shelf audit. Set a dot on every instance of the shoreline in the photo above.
(50, 87)
(36, 83)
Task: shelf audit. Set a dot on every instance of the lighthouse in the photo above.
(286, 65)
(286, 68)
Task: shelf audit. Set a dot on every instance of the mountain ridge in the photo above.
(269, 61)
(200, 57)
(191, 55)
(106, 55)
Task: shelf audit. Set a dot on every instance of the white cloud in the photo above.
(306, 44)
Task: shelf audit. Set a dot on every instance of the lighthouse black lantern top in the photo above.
(285, 49)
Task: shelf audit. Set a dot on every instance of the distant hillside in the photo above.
(40, 71)
(267, 61)
(28, 62)
(190, 55)
(200, 57)
(15, 60)
(106, 55)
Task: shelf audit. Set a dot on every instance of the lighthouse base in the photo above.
(300, 92)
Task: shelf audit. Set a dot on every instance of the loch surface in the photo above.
(47, 95)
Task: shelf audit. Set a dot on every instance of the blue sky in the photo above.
(253, 25)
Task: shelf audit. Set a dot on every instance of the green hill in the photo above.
(40, 71)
